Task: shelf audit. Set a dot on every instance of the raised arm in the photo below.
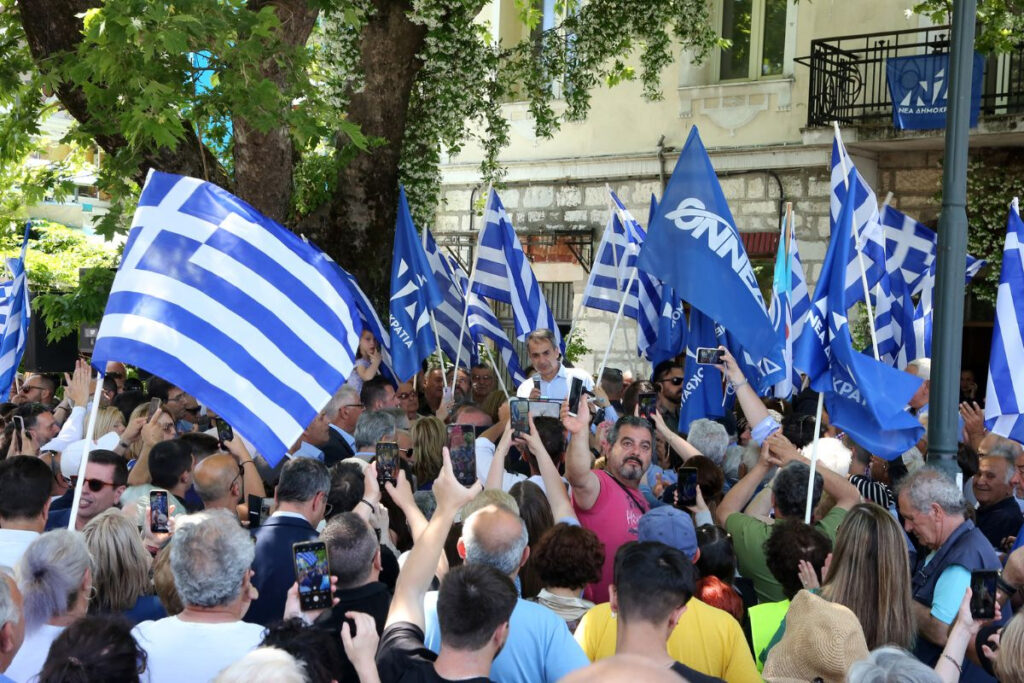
(496, 472)
(415, 577)
(680, 445)
(554, 487)
(749, 401)
(252, 482)
(741, 493)
(842, 491)
(586, 487)
(151, 436)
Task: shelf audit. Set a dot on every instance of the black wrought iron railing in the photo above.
(848, 81)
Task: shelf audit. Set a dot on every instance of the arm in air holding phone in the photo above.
(402, 496)
(152, 434)
(757, 415)
(496, 472)
(675, 442)
(960, 637)
(554, 487)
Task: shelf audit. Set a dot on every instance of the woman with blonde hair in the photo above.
(123, 576)
(428, 438)
(109, 419)
(869, 573)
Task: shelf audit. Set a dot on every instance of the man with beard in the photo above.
(608, 501)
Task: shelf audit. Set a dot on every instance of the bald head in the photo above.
(496, 537)
(217, 481)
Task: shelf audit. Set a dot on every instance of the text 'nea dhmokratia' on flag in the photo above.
(231, 307)
(1004, 394)
(694, 247)
(864, 397)
(414, 294)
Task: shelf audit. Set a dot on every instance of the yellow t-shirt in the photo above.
(706, 639)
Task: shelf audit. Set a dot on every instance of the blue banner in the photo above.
(919, 85)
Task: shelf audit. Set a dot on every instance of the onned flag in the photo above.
(232, 308)
(702, 384)
(1004, 393)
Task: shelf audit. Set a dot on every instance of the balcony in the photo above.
(848, 82)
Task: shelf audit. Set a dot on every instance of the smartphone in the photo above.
(448, 394)
(313, 574)
(158, 512)
(224, 432)
(20, 422)
(575, 391)
(519, 414)
(648, 402)
(983, 594)
(686, 489)
(387, 463)
(154, 405)
(462, 449)
(255, 505)
(266, 505)
(536, 382)
(707, 355)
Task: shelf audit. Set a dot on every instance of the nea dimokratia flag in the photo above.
(231, 307)
(693, 246)
(1004, 395)
(863, 396)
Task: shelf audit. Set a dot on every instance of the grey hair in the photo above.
(543, 334)
(629, 421)
(891, 665)
(928, 485)
(1005, 457)
(264, 664)
(731, 461)
(710, 438)
(342, 397)
(484, 551)
(921, 367)
(402, 423)
(351, 546)
(372, 426)
(8, 610)
(50, 574)
(1006, 447)
(210, 554)
(790, 489)
(301, 479)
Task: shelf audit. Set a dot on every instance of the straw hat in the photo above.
(822, 641)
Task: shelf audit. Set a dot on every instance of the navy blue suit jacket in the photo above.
(275, 570)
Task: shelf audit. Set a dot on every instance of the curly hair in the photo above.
(94, 648)
(790, 542)
(568, 556)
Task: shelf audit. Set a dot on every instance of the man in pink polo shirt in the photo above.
(608, 501)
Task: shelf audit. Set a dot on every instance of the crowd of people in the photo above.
(577, 554)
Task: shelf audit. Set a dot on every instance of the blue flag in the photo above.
(702, 384)
(694, 247)
(864, 397)
(414, 293)
(1004, 394)
(14, 317)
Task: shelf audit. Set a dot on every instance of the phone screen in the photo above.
(387, 463)
(536, 382)
(575, 391)
(519, 414)
(255, 503)
(313, 574)
(158, 512)
(648, 403)
(266, 506)
(154, 405)
(983, 594)
(709, 356)
(686, 489)
(462, 449)
(224, 432)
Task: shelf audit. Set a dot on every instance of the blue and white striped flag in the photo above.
(448, 314)
(370, 321)
(233, 308)
(481, 322)
(14, 317)
(1004, 395)
(789, 307)
(503, 273)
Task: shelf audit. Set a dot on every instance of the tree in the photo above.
(315, 110)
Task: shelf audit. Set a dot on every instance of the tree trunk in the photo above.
(359, 229)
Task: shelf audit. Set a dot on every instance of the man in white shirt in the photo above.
(210, 559)
(547, 361)
(24, 504)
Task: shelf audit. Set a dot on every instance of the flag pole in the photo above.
(856, 244)
(469, 286)
(494, 366)
(814, 457)
(89, 430)
(433, 324)
(615, 325)
(586, 287)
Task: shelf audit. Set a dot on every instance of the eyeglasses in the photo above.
(97, 485)
(353, 405)
(25, 388)
(179, 397)
(405, 395)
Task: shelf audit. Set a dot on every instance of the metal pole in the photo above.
(952, 247)
(89, 430)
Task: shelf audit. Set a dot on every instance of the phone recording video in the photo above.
(707, 355)
(462, 449)
(983, 594)
(686, 489)
(648, 402)
(312, 574)
(154, 405)
(225, 433)
(387, 463)
(575, 391)
(254, 504)
(519, 414)
(158, 512)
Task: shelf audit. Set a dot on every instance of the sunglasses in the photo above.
(193, 411)
(674, 381)
(97, 485)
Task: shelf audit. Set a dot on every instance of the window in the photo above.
(757, 29)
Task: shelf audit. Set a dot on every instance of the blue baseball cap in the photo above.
(670, 526)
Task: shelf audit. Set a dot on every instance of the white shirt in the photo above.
(558, 387)
(71, 431)
(12, 545)
(32, 655)
(190, 651)
(485, 454)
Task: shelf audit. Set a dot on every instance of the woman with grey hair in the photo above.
(55, 579)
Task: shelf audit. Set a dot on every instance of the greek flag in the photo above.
(414, 294)
(481, 322)
(790, 304)
(14, 317)
(503, 273)
(448, 315)
(370, 321)
(1004, 395)
(233, 308)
